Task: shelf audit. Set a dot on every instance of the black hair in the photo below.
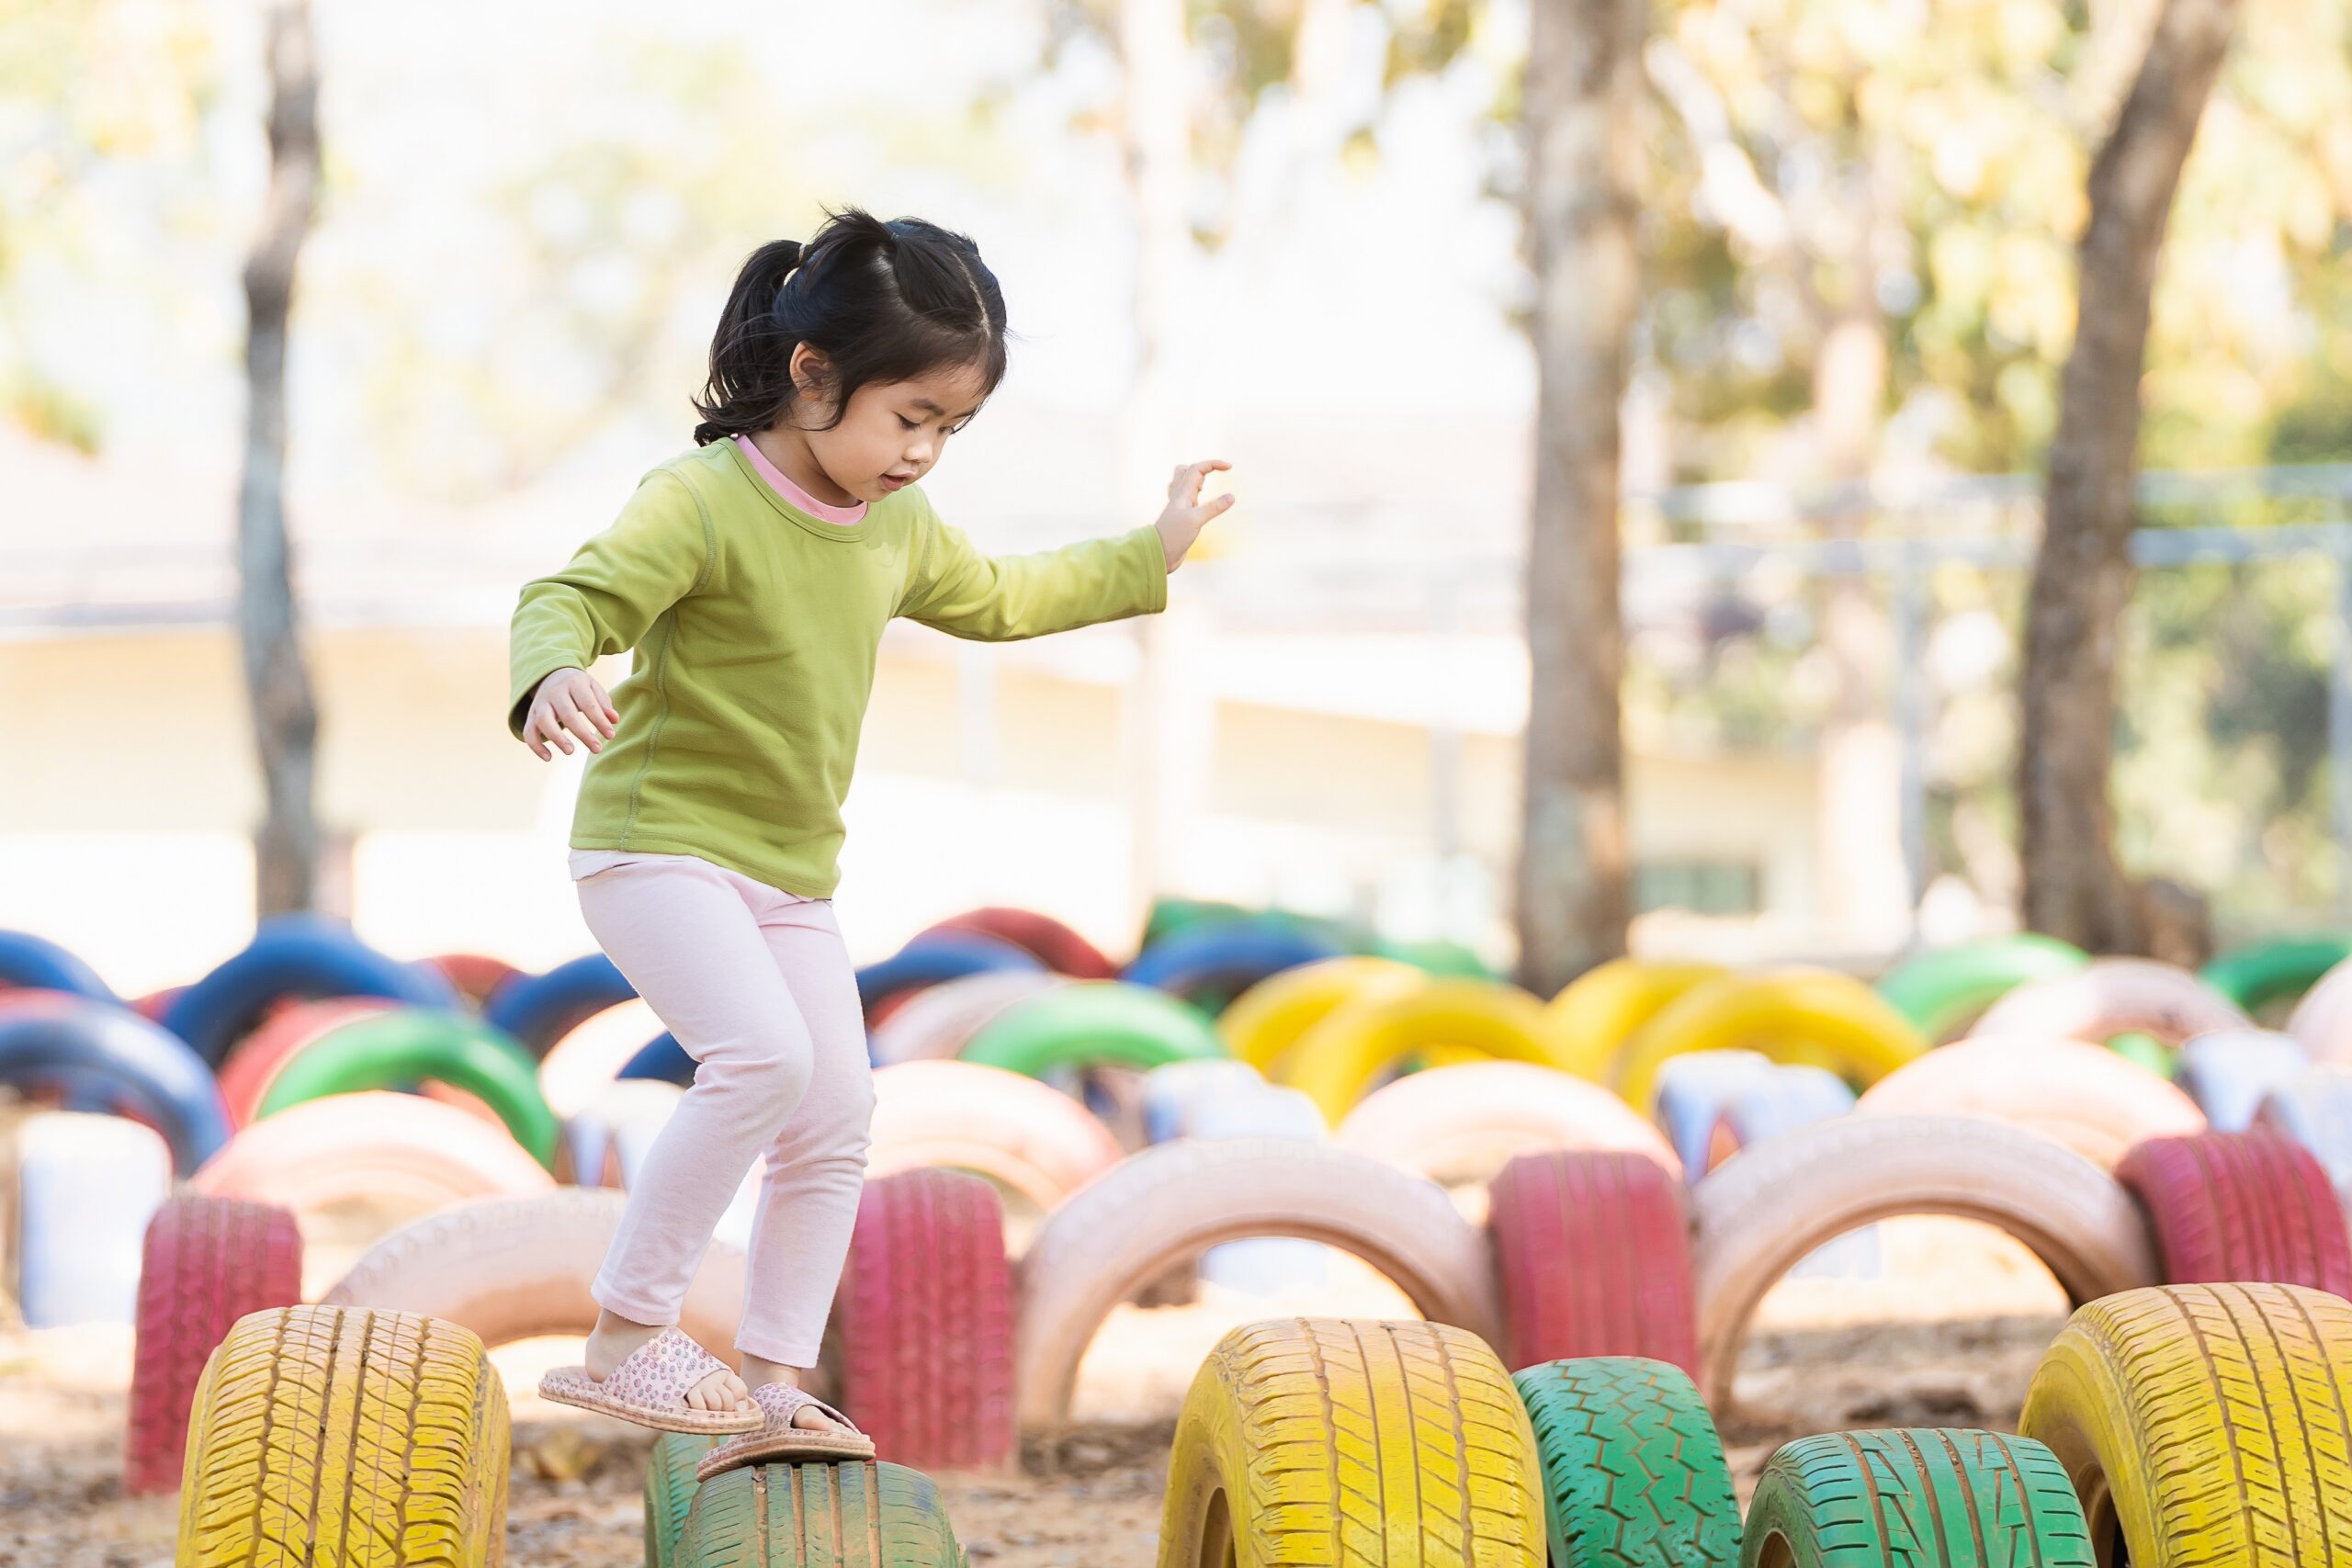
(882, 302)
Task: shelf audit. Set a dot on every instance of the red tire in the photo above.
(207, 1262)
(2241, 1207)
(1592, 1251)
(474, 975)
(1054, 944)
(246, 1075)
(923, 1322)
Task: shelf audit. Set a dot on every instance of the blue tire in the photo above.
(39, 963)
(86, 1187)
(942, 955)
(1784, 1100)
(662, 1060)
(300, 956)
(88, 1049)
(540, 1010)
(2230, 1072)
(1227, 957)
(1693, 1092)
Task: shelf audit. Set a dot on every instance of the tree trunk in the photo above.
(286, 849)
(2075, 887)
(1584, 84)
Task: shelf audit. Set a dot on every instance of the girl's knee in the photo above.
(773, 1071)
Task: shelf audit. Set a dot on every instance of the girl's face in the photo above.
(894, 433)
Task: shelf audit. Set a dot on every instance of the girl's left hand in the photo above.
(1187, 513)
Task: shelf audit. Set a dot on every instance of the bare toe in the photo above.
(712, 1392)
(809, 1418)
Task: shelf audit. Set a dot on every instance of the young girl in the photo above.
(753, 575)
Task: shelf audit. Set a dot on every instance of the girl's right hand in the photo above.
(568, 702)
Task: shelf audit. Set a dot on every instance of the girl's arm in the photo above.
(658, 551)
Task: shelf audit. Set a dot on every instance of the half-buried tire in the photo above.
(670, 1493)
(1592, 1252)
(1633, 1470)
(2240, 1206)
(799, 1516)
(1899, 1500)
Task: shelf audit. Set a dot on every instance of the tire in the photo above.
(937, 1022)
(56, 1040)
(1593, 1254)
(477, 976)
(36, 963)
(2280, 970)
(1791, 1015)
(1227, 957)
(1692, 1090)
(1597, 1012)
(1173, 1094)
(1170, 1205)
(1944, 991)
(1042, 1144)
(589, 1057)
(1773, 1206)
(536, 1010)
(2316, 1112)
(1337, 1062)
(670, 1487)
(207, 1262)
(1464, 1123)
(928, 961)
(1266, 1020)
(2244, 1206)
(2115, 996)
(842, 1516)
(604, 1144)
(1089, 1024)
(254, 1065)
(355, 1147)
(85, 1188)
(316, 1429)
(2322, 1020)
(1337, 1440)
(1633, 1473)
(2229, 1074)
(512, 1268)
(1051, 943)
(2084, 1097)
(924, 1322)
(662, 1060)
(397, 1048)
(2203, 1424)
(1898, 1499)
(1782, 1101)
(295, 956)
(1262, 1266)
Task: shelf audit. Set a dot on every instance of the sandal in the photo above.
(778, 1438)
(650, 1388)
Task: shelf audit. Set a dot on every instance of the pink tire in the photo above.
(2114, 996)
(1592, 1250)
(2322, 1020)
(2086, 1097)
(939, 1020)
(246, 1075)
(366, 1147)
(1042, 1144)
(1466, 1120)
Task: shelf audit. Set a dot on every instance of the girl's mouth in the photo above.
(887, 482)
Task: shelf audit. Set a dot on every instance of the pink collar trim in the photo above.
(778, 482)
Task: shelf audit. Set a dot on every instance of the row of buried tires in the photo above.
(2167, 1427)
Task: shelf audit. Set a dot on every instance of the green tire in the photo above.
(670, 1494)
(2273, 970)
(410, 1045)
(2146, 1051)
(1096, 1023)
(1634, 1473)
(818, 1515)
(1941, 992)
(1897, 1499)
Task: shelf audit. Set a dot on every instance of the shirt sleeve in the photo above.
(958, 590)
(616, 585)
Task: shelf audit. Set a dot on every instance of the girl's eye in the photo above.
(909, 423)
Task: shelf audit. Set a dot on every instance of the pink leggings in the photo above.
(755, 984)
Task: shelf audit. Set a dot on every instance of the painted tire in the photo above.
(1262, 1266)
(53, 1040)
(1042, 1144)
(2276, 971)
(1227, 957)
(1051, 943)
(295, 956)
(2115, 996)
(254, 1065)
(517, 1267)
(1173, 1095)
(929, 960)
(1794, 1015)
(842, 1516)
(1095, 1023)
(924, 1322)
(1464, 1122)
(2322, 1020)
(937, 1022)
(37, 964)
(353, 1147)
(2086, 1097)
(1692, 1091)
(2229, 1075)
(2248, 1206)
(578, 1067)
(1322, 1439)
(606, 1144)
(1593, 1255)
(536, 1010)
(1894, 1499)
(1598, 1012)
(403, 1444)
(1944, 991)
(1780, 1103)
(1168, 1205)
(476, 976)
(207, 1262)
(662, 1060)
(1762, 1213)
(86, 1186)
(411, 1044)
(2316, 1112)
(1167, 915)
(1266, 1020)
(1337, 1062)
(1633, 1472)
(670, 1487)
(2247, 1381)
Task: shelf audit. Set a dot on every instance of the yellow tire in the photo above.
(1599, 1010)
(340, 1434)
(1813, 1016)
(2205, 1424)
(1268, 1019)
(1331, 1441)
(1443, 1022)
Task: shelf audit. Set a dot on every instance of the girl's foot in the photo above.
(811, 1417)
(649, 1386)
(788, 1436)
(614, 1339)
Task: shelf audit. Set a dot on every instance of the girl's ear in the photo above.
(811, 371)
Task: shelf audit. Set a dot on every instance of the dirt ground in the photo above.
(1943, 1327)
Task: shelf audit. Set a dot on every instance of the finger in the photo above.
(580, 724)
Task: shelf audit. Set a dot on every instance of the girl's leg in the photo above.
(682, 932)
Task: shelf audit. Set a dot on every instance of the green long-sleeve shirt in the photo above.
(756, 626)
